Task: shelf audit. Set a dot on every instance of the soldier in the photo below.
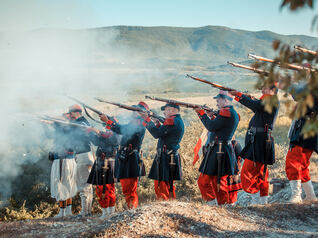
(128, 165)
(166, 166)
(298, 156)
(102, 173)
(63, 171)
(259, 146)
(84, 159)
(219, 161)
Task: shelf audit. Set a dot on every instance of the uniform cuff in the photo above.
(145, 122)
(201, 112)
(238, 96)
(109, 124)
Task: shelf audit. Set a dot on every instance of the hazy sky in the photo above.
(251, 15)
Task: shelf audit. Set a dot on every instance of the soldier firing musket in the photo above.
(304, 50)
(129, 165)
(166, 167)
(182, 104)
(85, 106)
(132, 108)
(289, 66)
(72, 160)
(218, 161)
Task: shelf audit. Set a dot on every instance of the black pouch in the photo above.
(122, 155)
(52, 156)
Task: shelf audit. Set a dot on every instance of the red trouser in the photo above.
(297, 163)
(208, 187)
(162, 190)
(107, 199)
(129, 187)
(232, 197)
(67, 202)
(252, 178)
(234, 187)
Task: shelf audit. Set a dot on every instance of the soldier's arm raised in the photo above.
(167, 128)
(253, 104)
(212, 124)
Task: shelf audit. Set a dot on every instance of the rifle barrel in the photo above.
(304, 50)
(121, 105)
(215, 85)
(131, 108)
(67, 123)
(85, 105)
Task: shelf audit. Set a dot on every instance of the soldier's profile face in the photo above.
(169, 111)
(221, 102)
(74, 115)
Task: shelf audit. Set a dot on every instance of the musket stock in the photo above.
(304, 50)
(289, 66)
(259, 71)
(182, 104)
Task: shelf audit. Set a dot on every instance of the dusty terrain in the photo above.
(180, 219)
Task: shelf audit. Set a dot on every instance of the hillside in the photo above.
(129, 58)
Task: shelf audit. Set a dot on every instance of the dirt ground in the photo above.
(180, 219)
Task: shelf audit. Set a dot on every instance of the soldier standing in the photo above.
(63, 171)
(298, 156)
(84, 159)
(259, 145)
(102, 173)
(219, 161)
(166, 166)
(128, 165)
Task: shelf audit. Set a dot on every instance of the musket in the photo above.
(215, 85)
(304, 50)
(182, 104)
(259, 71)
(131, 108)
(90, 108)
(289, 66)
(62, 122)
(86, 106)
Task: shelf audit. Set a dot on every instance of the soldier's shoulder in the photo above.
(170, 121)
(225, 112)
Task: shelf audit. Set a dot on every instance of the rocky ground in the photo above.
(183, 219)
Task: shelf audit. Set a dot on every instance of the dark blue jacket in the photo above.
(256, 150)
(296, 137)
(128, 162)
(222, 127)
(169, 136)
(107, 144)
(80, 138)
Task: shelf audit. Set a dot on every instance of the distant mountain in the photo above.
(138, 55)
(213, 44)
